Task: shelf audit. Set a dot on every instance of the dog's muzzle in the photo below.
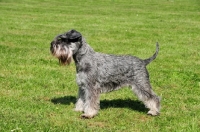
(62, 52)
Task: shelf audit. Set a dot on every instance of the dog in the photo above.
(100, 73)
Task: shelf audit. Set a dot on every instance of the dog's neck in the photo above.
(83, 51)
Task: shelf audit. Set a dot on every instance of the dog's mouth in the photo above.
(64, 60)
(63, 54)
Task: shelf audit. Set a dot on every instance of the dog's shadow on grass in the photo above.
(123, 103)
(66, 100)
(105, 104)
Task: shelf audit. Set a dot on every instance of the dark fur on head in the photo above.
(65, 45)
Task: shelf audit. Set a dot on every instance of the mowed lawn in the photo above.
(38, 95)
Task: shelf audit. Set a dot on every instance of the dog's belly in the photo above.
(111, 87)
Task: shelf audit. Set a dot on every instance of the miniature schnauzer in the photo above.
(100, 73)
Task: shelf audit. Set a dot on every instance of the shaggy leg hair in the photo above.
(100, 73)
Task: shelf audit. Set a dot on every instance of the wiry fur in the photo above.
(100, 73)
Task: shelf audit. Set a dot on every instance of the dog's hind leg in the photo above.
(148, 97)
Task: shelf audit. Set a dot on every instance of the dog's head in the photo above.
(65, 45)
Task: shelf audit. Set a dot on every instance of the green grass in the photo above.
(36, 94)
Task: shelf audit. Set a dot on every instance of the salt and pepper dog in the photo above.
(100, 73)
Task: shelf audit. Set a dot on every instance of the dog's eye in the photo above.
(59, 40)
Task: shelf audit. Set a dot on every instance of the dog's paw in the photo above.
(78, 110)
(86, 116)
(153, 113)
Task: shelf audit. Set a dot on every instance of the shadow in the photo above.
(104, 104)
(66, 100)
(124, 103)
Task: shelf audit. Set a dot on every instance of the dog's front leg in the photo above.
(91, 105)
(80, 100)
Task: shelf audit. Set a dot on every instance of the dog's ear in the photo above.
(73, 35)
(60, 36)
(63, 36)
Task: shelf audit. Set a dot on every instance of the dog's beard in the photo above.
(63, 53)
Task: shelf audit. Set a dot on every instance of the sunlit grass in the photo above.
(36, 94)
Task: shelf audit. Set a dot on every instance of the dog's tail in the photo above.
(147, 61)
